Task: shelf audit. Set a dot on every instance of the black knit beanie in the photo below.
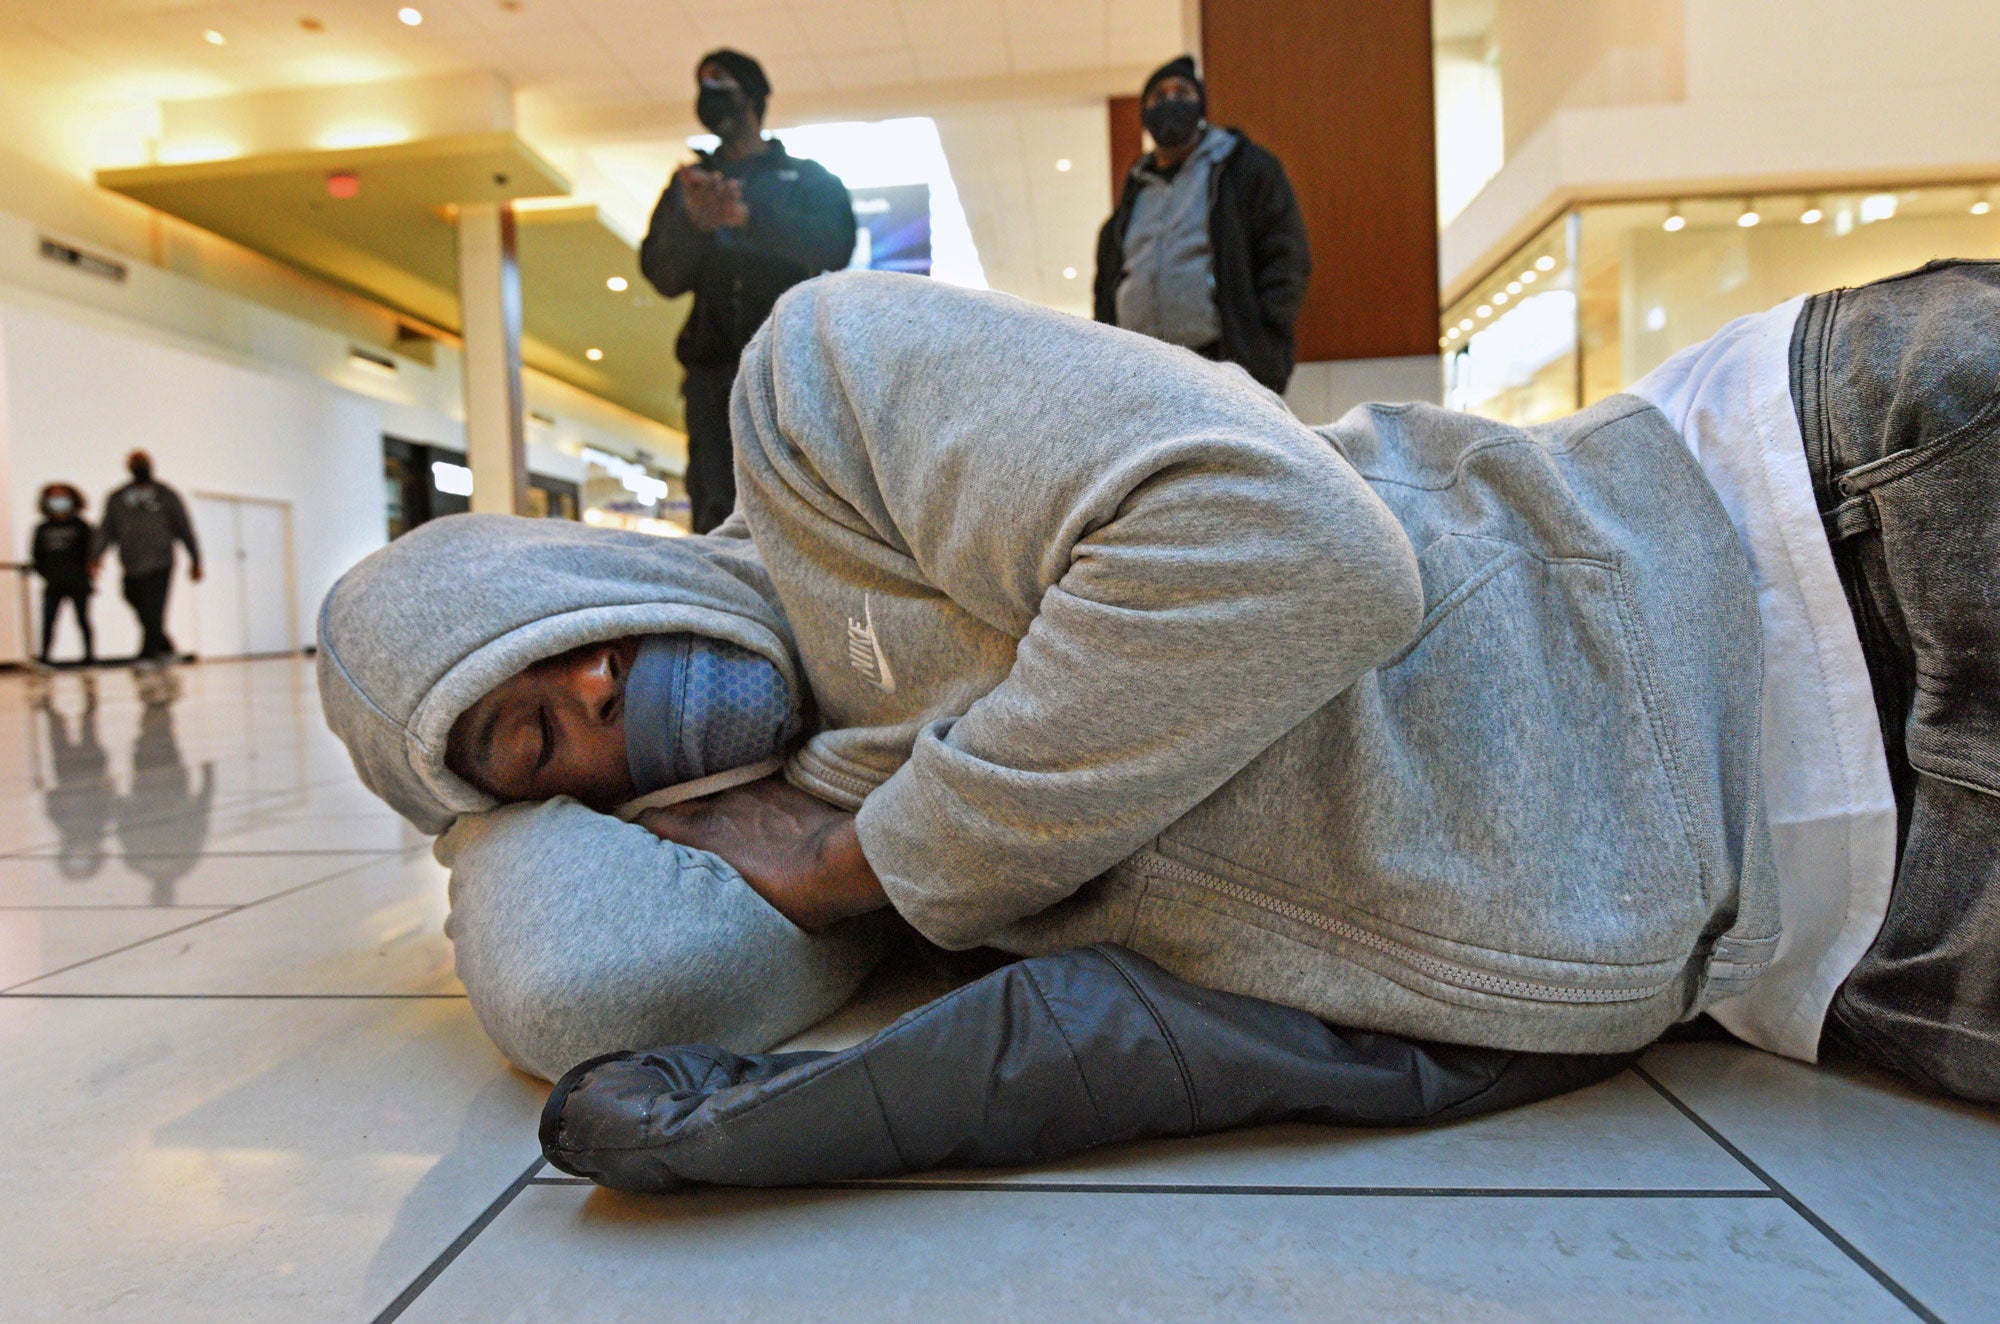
(1181, 67)
(749, 75)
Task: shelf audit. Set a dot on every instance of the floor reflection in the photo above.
(78, 797)
(161, 819)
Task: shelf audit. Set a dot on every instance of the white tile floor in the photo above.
(238, 1082)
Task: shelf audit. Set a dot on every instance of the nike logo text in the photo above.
(864, 650)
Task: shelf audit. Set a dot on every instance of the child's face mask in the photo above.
(696, 706)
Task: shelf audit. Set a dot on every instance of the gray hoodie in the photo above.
(1420, 723)
(573, 933)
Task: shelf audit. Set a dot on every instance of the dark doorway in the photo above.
(421, 482)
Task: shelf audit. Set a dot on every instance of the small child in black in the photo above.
(62, 559)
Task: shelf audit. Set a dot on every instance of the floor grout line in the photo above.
(192, 924)
(39, 854)
(231, 997)
(133, 905)
(409, 1294)
(1190, 1188)
(1798, 1206)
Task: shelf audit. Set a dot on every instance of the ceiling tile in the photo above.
(868, 69)
(961, 60)
(844, 26)
(764, 34)
(931, 23)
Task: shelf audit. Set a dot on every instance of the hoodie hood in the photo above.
(421, 629)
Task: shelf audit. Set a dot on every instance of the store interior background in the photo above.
(302, 384)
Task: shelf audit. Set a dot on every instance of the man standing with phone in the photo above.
(737, 228)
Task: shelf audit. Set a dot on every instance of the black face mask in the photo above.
(720, 110)
(1172, 122)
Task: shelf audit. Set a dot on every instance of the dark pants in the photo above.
(1897, 386)
(77, 595)
(148, 596)
(711, 471)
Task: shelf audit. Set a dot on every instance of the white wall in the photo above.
(1321, 392)
(82, 391)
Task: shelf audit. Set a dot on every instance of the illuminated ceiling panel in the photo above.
(392, 240)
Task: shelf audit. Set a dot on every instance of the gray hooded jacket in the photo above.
(1420, 723)
(573, 932)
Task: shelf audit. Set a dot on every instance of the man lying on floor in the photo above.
(1386, 773)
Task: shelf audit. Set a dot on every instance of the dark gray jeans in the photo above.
(1897, 386)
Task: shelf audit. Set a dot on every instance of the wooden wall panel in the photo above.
(1340, 90)
(1126, 140)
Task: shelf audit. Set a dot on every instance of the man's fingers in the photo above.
(683, 824)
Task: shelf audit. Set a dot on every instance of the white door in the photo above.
(264, 559)
(245, 600)
(218, 598)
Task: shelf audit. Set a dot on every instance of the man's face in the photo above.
(721, 104)
(557, 728)
(1173, 88)
(714, 75)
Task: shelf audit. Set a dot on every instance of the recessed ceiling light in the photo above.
(593, 353)
(616, 284)
(1063, 163)
(1483, 310)
(1545, 263)
(410, 16)
(1528, 276)
(1748, 216)
(1812, 215)
(214, 38)
(1513, 287)
(1982, 206)
(1069, 273)
(1465, 324)
(1675, 221)
(1500, 297)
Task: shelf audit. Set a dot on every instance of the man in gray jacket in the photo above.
(143, 520)
(1173, 675)
(1437, 730)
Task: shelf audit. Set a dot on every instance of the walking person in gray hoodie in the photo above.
(143, 520)
(1440, 732)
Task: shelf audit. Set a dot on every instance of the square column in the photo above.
(489, 299)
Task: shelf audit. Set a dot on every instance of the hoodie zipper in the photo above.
(1448, 972)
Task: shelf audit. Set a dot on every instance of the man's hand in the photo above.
(797, 853)
(713, 200)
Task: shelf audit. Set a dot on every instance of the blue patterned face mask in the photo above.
(696, 706)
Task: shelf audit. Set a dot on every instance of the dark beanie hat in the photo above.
(749, 74)
(1182, 67)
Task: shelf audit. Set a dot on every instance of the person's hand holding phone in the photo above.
(712, 199)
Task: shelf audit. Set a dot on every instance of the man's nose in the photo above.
(598, 685)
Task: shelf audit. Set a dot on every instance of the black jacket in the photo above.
(144, 521)
(62, 551)
(801, 224)
(1261, 257)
